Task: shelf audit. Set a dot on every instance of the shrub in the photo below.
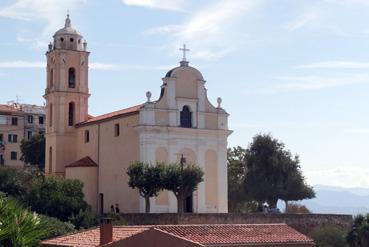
(56, 227)
(83, 219)
(329, 236)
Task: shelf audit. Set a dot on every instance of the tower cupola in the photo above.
(68, 38)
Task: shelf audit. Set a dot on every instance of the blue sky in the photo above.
(297, 69)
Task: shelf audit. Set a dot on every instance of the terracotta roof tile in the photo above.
(84, 162)
(91, 237)
(238, 234)
(217, 234)
(9, 109)
(126, 111)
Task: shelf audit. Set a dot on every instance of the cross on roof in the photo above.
(184, 52)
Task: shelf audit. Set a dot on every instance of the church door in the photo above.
(188, 208)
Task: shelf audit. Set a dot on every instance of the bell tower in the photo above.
(66, 96)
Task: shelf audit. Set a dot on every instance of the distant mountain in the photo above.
(339, 200)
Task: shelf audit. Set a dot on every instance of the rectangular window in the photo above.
(2, 160)
(10, 138)
(1, 138)
(2, 120)
(116, 130)
(41, 120)
(15, 138)
(30, 119)
(29, 134)
(14, 121)
(13, 156)
(87, 136)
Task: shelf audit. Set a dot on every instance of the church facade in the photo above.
(98, 150)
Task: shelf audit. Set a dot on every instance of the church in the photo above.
(98, 150)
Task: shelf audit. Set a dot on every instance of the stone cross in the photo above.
(184, 52)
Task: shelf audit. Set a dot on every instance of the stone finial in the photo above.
(50, 46)
(85, 45)
(219, 100)
(148, 96)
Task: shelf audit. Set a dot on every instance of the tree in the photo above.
(272, 172)
(295, 208)
(328, 236)
(359, 234)
(182, 181)
(236, 166)
(33, 151)
(57, 197)
(18, 226)
(147, 179)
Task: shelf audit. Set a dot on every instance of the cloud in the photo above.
(20, 64)
(157, 4)
(306, 83)
(343, 177)
(357, 131)
(211, 32)
(335, 65)
(50, 11)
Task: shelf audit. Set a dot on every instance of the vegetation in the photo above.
(295, 208)
(359, 234)
(56, 227)
(33, 151)
(18, 226)
(272, 173)
(182, 181)
(147, 179)
(329, 236)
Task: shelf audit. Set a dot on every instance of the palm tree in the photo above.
(18, 226)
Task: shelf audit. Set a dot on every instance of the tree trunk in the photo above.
(180, 206)
(147, 204)
(286, 206)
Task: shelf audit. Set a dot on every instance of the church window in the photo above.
(79, 41)
(186, 117)
(51, 78)
(87, 136)
(116, 130)
(71, 40)
(71, 78)
(71, 114)
(50, 158)
(51, 115)
(61, 39)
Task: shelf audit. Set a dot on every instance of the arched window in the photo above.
(71, 114)
(186, 117)
(71, 78)
(51, 115)
(51, 78)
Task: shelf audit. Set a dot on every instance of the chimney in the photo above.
(106, 231)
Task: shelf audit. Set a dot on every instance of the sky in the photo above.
(297, 69)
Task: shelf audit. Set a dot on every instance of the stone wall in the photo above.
(304, 223)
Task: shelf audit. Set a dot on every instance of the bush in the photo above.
(329, 236)
(295, 208)
(56, 227)
(57, 197)
(83, 219)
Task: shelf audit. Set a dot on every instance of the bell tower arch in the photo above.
(66, 96)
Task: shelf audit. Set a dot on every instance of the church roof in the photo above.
(184, 66)
(109, 116)
(84, 162)
(67, 29)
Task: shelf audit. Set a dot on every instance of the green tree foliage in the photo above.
(236, 165)
(56, 227)
(18, 226)
(295, 208)
(147, 179)
(83, 219)
(272, 172)
(359, 234)
(57, 197)
(327, 236)
(182, 182)
(33, 151)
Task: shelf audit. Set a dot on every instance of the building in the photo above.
(18, 122)
(228, 235)
(98, 150)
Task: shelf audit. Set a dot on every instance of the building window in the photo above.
(1, 138)
(13, 138)
(3, 119)
(87, 136)
(116, 130)
(2, 160)
(13, 156)
(51, 78)
(30, 119)
(50, 159)
(51, 115)
(14, 121)
(71, 78)
(29, 134)
(71, 114)
(186, 117)
(41, 120)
